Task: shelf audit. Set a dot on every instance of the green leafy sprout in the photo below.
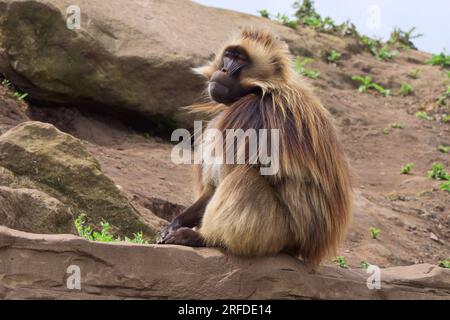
(364, 264)
(444, 149)
(422, 115)
(438, 172)
(6, 83)
(445, 263)
(398, 125)
(341, 262)
(407, 168)
(442, 99)
(366, 84)
(300, 67)
(264, 13)
(445, 186)
(374, 232)
(404, 38)
(20, 96)
(406, 89)
(334, 56)
(415, 73)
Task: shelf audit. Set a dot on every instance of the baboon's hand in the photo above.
(175, 225)
(185, 237)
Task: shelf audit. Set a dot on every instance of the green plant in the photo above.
(364, 264)
(445, 118)
(334, 56)
(374, 232)
(386, 131)
(264, 13)
(6, 83)
(300, 67)
(305, 9)
(83, 231)
(340, 260)
(404, 38)
(442, 99)
(437, 172)
(406, 89)
(367, 83)
(286, 21)
(377, 48)
(441, 59)
(138, 238)
(398, 125)
(445, 263)
(443, 149)
(105, 235)
(407, 168)
(445, 186)
(415, 73)
(384, 53)
(20, 96)
(422, 115)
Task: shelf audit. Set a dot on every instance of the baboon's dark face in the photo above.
(224, 85)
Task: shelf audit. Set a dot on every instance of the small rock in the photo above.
(434, 237)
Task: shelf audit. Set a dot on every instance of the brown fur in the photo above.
(305, 208)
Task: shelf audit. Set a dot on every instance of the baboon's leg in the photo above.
(190, 217)
(245, 216)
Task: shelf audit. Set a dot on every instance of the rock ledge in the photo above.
(35, 266)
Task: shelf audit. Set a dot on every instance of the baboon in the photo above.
(305, 207)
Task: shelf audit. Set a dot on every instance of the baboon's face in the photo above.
(225, 83)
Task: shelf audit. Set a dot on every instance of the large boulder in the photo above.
(40, 270)
(38, 156)
(135, 56)
(34, 211)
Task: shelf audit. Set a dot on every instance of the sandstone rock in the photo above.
(12, 112)
(134, 57)
(36, 155)
(35, 266)
(34, 211)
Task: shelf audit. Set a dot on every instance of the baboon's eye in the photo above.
(228, 54)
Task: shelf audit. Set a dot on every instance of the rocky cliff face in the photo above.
(93, 140)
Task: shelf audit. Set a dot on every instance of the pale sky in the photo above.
(431, 17)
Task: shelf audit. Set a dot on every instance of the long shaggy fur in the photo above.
(305, 208)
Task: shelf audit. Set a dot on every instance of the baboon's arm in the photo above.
(191, 216)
